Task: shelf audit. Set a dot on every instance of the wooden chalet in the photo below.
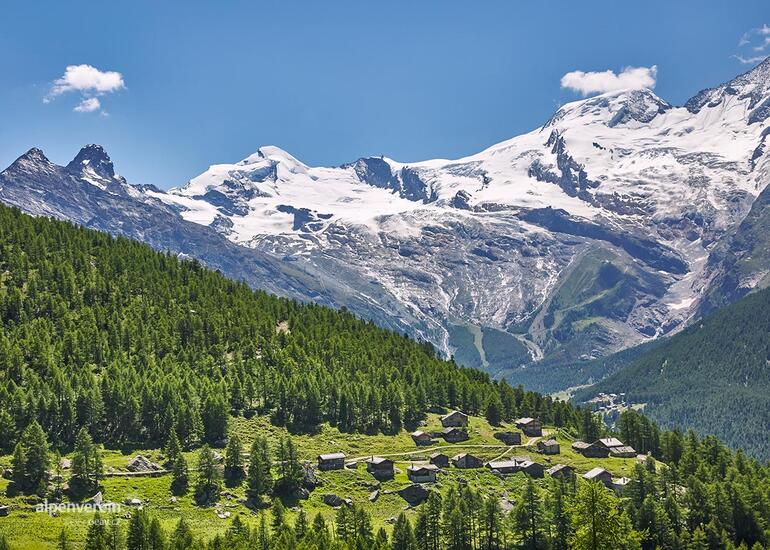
(531, 468)
(623, 452)
(380, 467)
(454, 419)
(548, 447)
(423, 473)
(509, 438)
(590, 450)
(531, 427)
(454, 435)
(466, 461)
(421, 438)
(439, 459)
(504, 466)
(609, 442)
(561, 470)
(331, 461)
(599, 474)
(621, 485)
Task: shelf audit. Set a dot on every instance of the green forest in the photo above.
(106, 343)
(106, 334)
(713, 376)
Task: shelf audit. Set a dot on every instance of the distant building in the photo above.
(422, 438)
(466, 460)
(590, 450)
(424, 473)
(516, 464)
(620, 485)
(380, 467)
(531, 427)
(532, 469)
(610, 442)
(504, 466)
(454, 419)
(439, 459)
(623, 452)
(331, 461)
(454, 435)
(548, 447)
(599, 474)
(509, 438)
(561, 470)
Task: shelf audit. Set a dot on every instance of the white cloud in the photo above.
(749, 60)
(89, 82)
(87, 79)
(88, 105)
(753, 42)
(587, 83)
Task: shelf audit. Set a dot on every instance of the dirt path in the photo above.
(150, 473)
(429, 450)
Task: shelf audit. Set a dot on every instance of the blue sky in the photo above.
(208, 82)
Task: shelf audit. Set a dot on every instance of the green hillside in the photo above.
(108, 334)
(110, 350)
(713, 376)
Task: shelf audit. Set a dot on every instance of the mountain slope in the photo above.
(713, 376)
(597, 231)
(109, 335)
(99, 199)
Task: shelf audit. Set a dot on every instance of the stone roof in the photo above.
(332, 456)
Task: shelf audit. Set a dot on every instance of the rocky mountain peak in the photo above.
(94, 159)
(613, 108)
(752, 87)
(32, 161)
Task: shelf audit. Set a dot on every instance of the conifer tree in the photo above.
(263, 535)
(156, 539)
(32, 455)
(182, 537)
(598, 522)
(494, 409)
(234, 460)
(403, 535)
(301, 525)
(291, 469)
(7, 432)
(260, 478)
(173, 448)
(138, 531)
(492, 535)
(18, 465)
(115, 539)
(209, 482)
(278, 513)
(96, 538)
(87, 466)
(559, 515)
(180, 474)
(528, 517)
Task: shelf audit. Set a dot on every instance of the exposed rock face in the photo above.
(616, 222)
(141, 463)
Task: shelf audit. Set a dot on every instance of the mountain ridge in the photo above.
(622, 194)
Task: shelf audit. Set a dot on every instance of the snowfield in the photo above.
(579, 238)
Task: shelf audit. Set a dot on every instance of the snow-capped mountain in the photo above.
(579, 238)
